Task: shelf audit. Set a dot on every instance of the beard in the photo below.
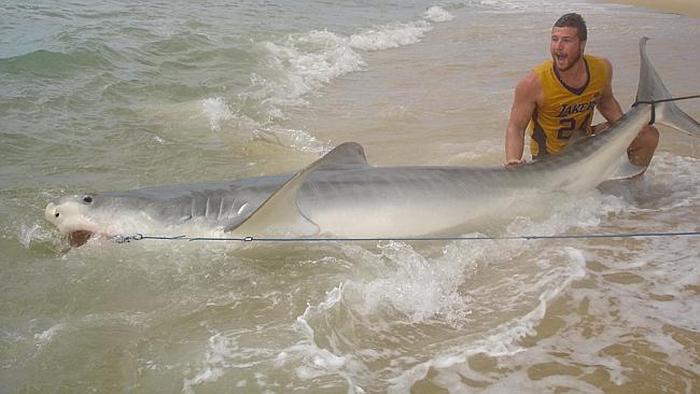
(574, 61)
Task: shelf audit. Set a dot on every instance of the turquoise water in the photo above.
(115, 96)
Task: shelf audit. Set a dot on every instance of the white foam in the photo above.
(219, 349)
(217, 111)
(502, 340)
(418, 287)
(437, 14)
(658, 299)
(29, 233)
(317, 361)
(48, 335)
(585, 210)
(501, 5)
(679, 174)
(297, 139)
(303, 64)
(555, 383)
(302, 322)
(392, 36)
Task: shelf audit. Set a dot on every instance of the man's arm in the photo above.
(607, 104)
(527, 93)
(641, 150)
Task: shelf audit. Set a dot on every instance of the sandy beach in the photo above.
(685, 7)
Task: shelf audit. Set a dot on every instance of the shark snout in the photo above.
(51, 213)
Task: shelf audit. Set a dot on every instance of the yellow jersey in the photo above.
(565, 109)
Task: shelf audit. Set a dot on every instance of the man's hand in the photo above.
(600, 127)
(513, 163)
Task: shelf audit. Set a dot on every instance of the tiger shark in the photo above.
(341, 195)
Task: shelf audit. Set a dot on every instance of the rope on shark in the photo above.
(138, 237)
(654, 102)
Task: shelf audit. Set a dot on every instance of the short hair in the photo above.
(573, 20)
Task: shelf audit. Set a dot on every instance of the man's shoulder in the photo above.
(593, 59)
(529, 86)
(598, 64)
(543, 67)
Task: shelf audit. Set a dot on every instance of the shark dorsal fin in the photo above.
(346, 155)
(280, 211)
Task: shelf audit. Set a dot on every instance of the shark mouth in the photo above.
(79, 237)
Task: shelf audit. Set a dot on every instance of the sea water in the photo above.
(118, 95)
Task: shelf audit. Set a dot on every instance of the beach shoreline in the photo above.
(689, 8)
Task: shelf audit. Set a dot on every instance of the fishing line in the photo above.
(138, 237)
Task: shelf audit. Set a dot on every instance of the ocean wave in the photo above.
(388, 37)
(437, 14)
(283, 73)
(493, 294)
(299, 65)
(303, 64)
(502, 341)
(48, 63)
(178, 44)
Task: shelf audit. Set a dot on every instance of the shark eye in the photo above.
(87, 199)
(57, 214)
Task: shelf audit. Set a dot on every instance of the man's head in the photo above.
(568, 42)
(576, 21)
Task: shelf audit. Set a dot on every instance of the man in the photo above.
(557, 99)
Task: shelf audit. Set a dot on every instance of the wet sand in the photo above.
(685, 7)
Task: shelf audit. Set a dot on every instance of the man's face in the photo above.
(566, 47)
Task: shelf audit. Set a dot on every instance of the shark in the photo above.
(341, 195)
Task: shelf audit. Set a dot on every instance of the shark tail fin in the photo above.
(652, 89)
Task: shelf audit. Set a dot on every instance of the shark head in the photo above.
(70, 215)
(163, 211)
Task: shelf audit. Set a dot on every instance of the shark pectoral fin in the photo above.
(280, 213)
(624, 169)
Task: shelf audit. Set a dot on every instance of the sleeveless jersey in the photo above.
(565, 109)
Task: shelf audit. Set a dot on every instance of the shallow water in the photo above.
(115, 96)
